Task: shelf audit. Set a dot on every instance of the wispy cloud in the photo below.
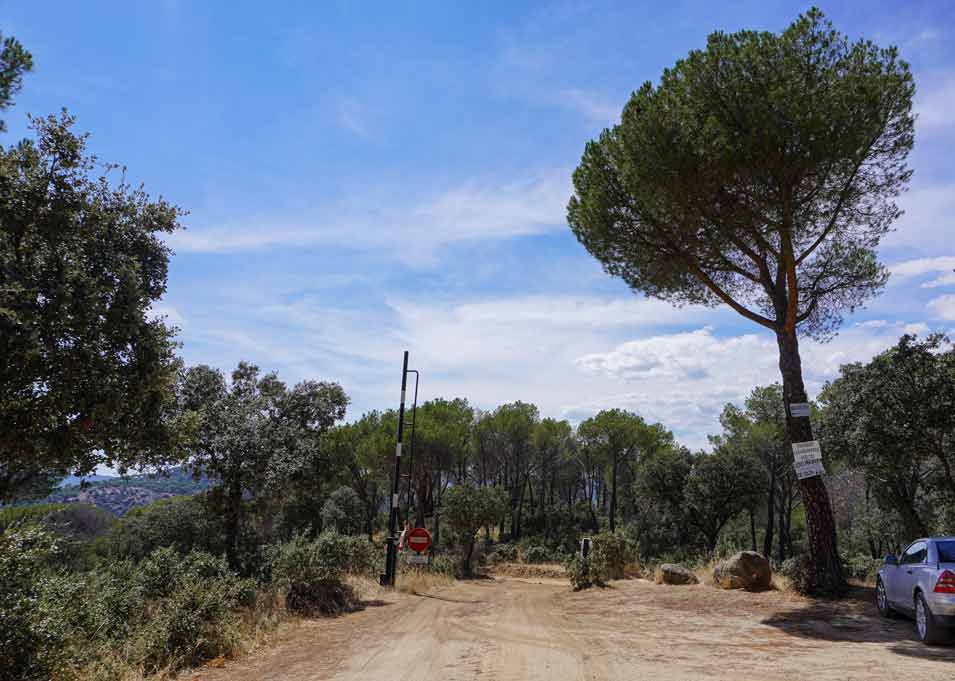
(594, 107)
(943, 307)
(398, 227)
(921, 266)
(936, 106)
(351, 115)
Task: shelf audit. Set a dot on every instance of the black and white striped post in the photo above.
(391, 559)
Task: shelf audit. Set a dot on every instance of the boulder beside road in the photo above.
(671, 573)
(745, 570)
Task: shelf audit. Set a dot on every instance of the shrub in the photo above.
(862, 567)
(612, 553)
(584, 572)
(343, 512)
(183, 523)
(506, 552)
(537, 554)
(194, 623)
(796, 569)
(311, 575)
(445, 564)
(32, 629)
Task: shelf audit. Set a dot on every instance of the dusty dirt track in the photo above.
(512, 629)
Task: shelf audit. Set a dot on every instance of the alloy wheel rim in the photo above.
(880, 594)
(920, 617)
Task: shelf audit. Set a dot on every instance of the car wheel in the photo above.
(882, 600)
(929, 632)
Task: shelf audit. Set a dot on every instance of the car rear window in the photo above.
(946, 551)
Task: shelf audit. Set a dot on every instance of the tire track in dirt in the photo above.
(512, 629)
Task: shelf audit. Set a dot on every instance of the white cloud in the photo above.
(595, 108)
(904, 271)
(929, 219)
(400, 227)
(171, 314)
(943, 307)
(936, 107)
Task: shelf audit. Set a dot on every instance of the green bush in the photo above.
(537, 554)
(311, 572)
(183, 523)
(862, 567)
(612, 553)
(506, 552)
(446, 564)
(796, 569)
(343, 512)
(585, 572)
(33, 631)
(194, 623)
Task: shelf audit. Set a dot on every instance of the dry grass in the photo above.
(413, 581)
(704, 572)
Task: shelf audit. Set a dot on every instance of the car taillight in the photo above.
(945, 583)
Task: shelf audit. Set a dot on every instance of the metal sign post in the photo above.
(391, 558)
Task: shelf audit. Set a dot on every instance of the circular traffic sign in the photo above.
(419, 539)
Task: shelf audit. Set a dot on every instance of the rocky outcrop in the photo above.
(745, 570)
(671, 573)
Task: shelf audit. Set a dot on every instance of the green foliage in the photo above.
(802, 126)
(799, 572)
(583, 573)
(610, 555)
(183, 523)
(261, 440)
(82, 259)
(862, 567)
(343, 512)
(894, 419)
(32, 630)
(310, 572)
(719, 486)
(537, 554)
(467, 509)
(445, 564)
(75, 520)
(14, 62)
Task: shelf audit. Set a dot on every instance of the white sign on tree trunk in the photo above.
(807, 459)
(799, 409)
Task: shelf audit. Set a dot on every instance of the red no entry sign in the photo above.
(419, 539)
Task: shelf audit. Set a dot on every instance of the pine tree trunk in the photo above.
(613, 495)
(826, 568)
(770, 514)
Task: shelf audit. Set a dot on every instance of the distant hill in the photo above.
(73, 480)
(118, 495)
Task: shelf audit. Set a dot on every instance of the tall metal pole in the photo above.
(414, 415)
(391, 559)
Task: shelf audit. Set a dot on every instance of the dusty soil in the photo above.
(516, 629)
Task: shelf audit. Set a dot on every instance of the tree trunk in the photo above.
(826, 569)
(234, 508)
(752, 529)
(613, 495)
(770, 513)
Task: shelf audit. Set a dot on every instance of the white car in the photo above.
(921, 583)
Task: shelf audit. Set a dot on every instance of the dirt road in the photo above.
(524, 630)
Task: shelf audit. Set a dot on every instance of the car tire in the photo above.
(882, 601)
(927, 629)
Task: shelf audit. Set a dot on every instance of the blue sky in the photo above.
(363, 179)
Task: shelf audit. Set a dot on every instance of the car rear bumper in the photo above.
(943, 608)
